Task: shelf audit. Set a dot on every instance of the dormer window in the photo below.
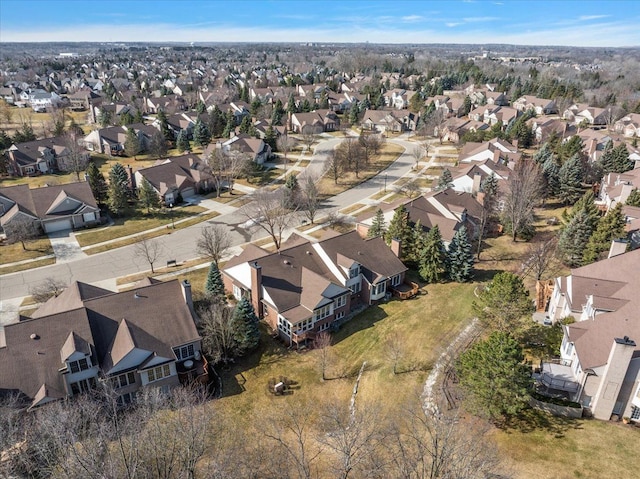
(354, 271)
(79, 365)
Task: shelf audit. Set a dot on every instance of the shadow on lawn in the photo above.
(531, 420)
(360, 322)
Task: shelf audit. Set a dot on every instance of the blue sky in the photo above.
(523, 22)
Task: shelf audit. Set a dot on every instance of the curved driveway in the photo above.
(180, 245)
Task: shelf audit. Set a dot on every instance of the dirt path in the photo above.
(430, 399)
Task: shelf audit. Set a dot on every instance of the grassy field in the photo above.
(388, 155)
(135, 223)
(426, 322)
(10, 253)
(546, 447)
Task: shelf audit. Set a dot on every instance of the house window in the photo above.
(395, 281)
(354, 271)
(123, 380)
(324, 327)
(237, 292)
(340, 315)
(125, 399)
(80, 365)
(635, 413)
(379, 289)
(184, 352)
(340, 301)
(83, 386)
(158, 373)
(322, 313)
(356, 287)
(284, 326)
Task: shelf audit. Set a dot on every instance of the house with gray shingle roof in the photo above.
(89, 336)
(309, 287)
(599, 362)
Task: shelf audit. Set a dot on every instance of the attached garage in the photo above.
(58, 225)
(188, 192)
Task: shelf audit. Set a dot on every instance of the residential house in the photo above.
(312, 92)
(455, 128)
(41, 100)
(632, 226)
(255, 148)
(468, 176)
(599, 362)
(113, 110)
(308, 287)
(492, 114)
(184, 176)
(39, 156)
(544, 128)
(629, 125)
(616, 187)
(314, 122)
(384, 121)
(89, 336)
(590, 115)
(83, 99)
(398, 98)
(169, 104)
(496, 149)
(448, 209)
(111, 140)
(541, 106)
(54, 208)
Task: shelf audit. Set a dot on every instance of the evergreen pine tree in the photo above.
(551, 173)
(609, 227)
(201, 107)
(353, 115)
(245, 125)
(97, 183)
(607, 159)
(229, 127)
(201, 134)
(574, 238)
(214, 287)
(571, 174)
(131, 143)
(377, 225)
(306, 106)
(291, 105)
(217, 122)
(460, 257)
(587, 205)
(399, 228)
(621, 159)
(432, 259)
(161, 117)
(543, 154)
(148, 196)
(246, 332)
(278, 113)
(445, 181)
(291, 189)
(118, 189)
(270, 138)
(182, 142)
(417, 244)
(634, 198)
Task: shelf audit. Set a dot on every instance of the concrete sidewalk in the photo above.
(65, 246)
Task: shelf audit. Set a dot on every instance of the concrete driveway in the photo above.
(65, 246)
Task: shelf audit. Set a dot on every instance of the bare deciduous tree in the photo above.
(290, 430)
(237, 164)
(217, 332)
(322, 343)
(308, 138)
(47, 289)
(76, 158)
(395, 350)
(150, 250)
(22, 229)
(309, 195)
(523, 190)
(334, 165)
(285, 144)
(540, 257)
(213, 242)
(418, 152)
(350, 154)
(269, 211)
(371, 144)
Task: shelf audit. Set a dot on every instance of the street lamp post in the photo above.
(173, 225)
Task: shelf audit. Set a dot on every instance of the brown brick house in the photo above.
(309, 286)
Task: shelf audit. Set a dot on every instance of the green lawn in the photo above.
(135, 223)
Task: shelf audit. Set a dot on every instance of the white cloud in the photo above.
(592, 17)
(412, 18)
(604, 34)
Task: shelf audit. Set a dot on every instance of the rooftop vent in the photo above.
(308, 252)
(34, 336)
(287, 262)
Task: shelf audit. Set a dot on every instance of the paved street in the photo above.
(104, 268)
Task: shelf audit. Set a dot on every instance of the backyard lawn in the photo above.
(10, 253)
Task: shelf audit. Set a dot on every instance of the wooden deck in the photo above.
(406, 290)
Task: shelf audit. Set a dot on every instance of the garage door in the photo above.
(58, 225)
(188, 192)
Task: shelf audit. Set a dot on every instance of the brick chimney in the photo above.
(396, 247)
(476, 183)
(256, 288)
(188, 298)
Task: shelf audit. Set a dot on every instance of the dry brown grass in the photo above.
(347, 180)
(11, 253)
